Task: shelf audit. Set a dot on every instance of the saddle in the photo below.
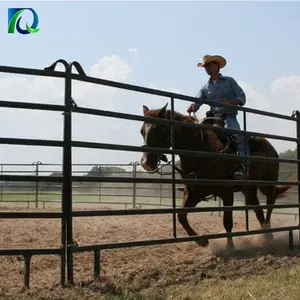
(218, 120)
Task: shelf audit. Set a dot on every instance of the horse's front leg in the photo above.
(189, 200)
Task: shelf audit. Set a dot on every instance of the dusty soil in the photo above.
(142, 268)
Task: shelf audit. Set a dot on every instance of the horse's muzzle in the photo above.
(163, 157)
(149, 161)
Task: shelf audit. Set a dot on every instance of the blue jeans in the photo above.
(242, 145)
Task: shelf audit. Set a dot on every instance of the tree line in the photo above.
(286, 169)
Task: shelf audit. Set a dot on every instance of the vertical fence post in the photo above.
(134, 184)
(297, 115)
(133, 164)
(67, 232)
(67, 165)
(160, 190)
(246, 167)
(99, 191)
(173, 167)
(66, 175)
(99, 183)
(67, 171)
(37, 163)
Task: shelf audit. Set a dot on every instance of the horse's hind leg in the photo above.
(189, 201)
(269, 192)
(227, 198)
(253, 200)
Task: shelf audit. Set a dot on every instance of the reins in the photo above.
(164, 158)
(157, 170)
(194, 115)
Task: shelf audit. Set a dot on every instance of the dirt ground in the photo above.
(141, 268)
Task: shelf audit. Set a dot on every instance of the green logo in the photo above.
(14, 20)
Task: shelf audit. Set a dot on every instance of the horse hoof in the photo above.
(203, 243)
(230, 249)
(74, 243)
(269, 237)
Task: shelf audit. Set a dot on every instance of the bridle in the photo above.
(163, 157)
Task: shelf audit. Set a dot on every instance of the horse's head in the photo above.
(155, 135)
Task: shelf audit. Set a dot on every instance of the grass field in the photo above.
(114, 200)
(273, 284)
(51, 199)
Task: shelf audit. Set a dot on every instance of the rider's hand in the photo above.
(224, 100)
(191, 108)
(232, 102)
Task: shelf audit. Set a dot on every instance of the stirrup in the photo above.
(239, 175)
(227, 147)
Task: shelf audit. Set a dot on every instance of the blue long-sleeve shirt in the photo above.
(223, 88)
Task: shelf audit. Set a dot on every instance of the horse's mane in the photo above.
(177, 116)
(181, 117)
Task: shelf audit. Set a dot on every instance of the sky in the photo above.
(151, 44)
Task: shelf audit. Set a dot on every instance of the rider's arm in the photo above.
(239, 95)
(201, 95)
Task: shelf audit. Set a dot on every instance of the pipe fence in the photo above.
(67, 178)
(124, 195)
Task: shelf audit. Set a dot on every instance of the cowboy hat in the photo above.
(220, 60)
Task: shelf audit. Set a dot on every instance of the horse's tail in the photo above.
(281, 190)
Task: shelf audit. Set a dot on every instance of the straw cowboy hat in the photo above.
(220, 60)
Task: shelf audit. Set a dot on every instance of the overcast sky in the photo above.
(153, 44)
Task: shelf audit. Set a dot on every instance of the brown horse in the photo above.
(209, 140)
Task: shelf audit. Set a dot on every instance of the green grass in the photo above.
(122, 201)
(277, 284)
(81, 198)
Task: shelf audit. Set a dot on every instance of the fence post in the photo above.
(99, 183)
(297, 115)
(67, 171)
(37, 163)
(160, 190)
(173, 169)
(134, 166)
(247, 164)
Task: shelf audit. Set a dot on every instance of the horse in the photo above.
(211, 141)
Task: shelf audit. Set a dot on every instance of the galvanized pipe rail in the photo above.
(61, 251)
(67, 247)
(29, 178)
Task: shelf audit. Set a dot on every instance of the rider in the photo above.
(223, 89)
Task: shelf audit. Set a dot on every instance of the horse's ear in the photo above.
(163, 111)
(145, 109)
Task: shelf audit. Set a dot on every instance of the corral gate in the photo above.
(67, 247)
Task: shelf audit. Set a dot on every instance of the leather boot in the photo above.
(240, 173)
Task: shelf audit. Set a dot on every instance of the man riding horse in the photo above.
(223, 89)
(157, 135)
